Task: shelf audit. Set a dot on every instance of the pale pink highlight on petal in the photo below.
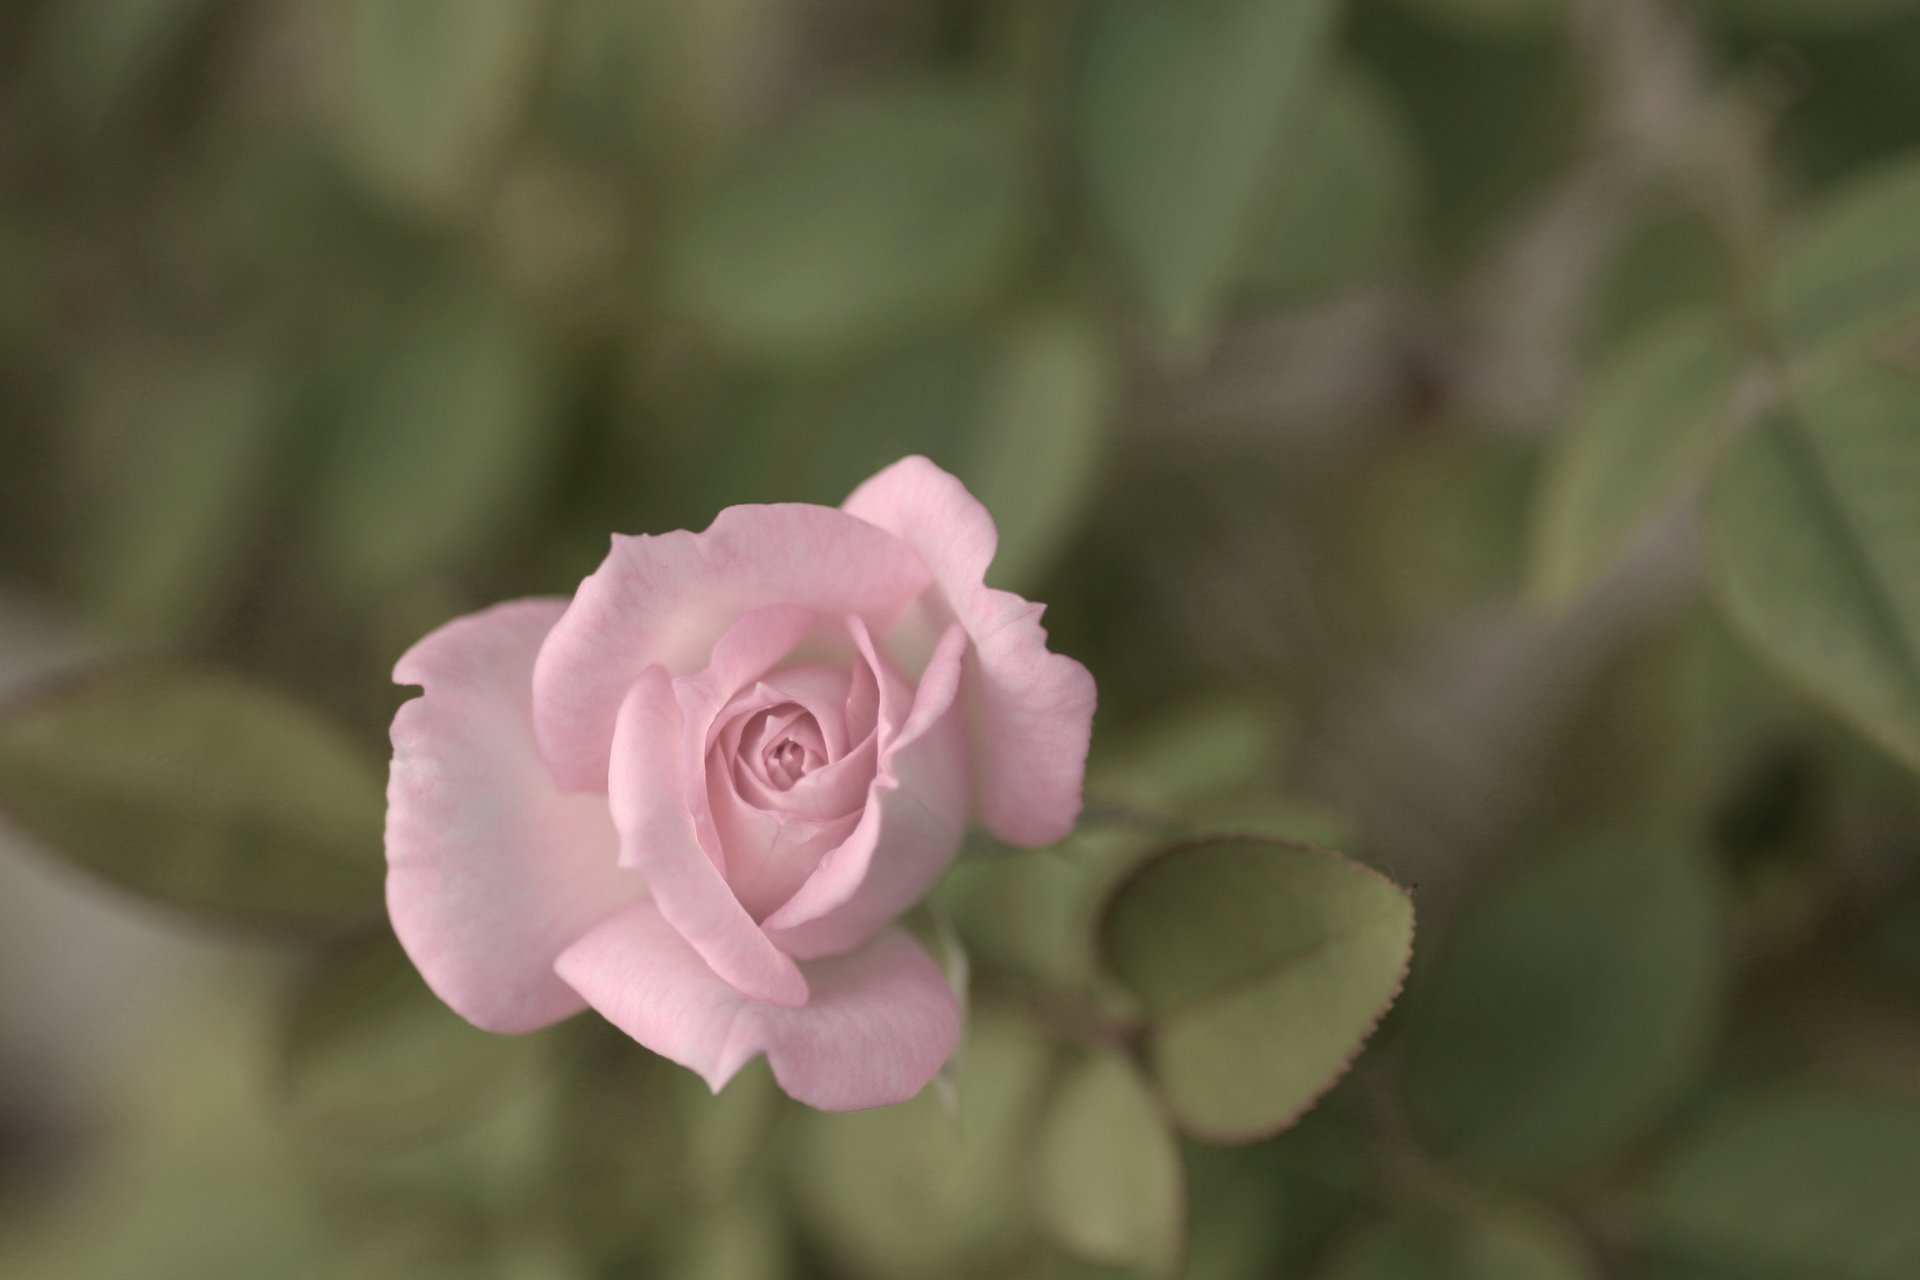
(492, 871)
(657, 838)
(881, 1023)
(1029, 712)
(913, 826)
(664, 600)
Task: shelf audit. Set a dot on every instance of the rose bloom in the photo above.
(698, 796)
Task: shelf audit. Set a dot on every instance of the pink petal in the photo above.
(745, 651)
(664, 600)
(770, 854)
(822, 690)
(775, 840)
(915, 820)
(492, 871)
(658, 839)
(881, 1022)
(1030, 712)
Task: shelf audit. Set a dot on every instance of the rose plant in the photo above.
(698, 797)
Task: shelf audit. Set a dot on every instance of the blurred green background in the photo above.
(1478, 435)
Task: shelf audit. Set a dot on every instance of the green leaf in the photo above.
(199, 791)
(1496, 18)
(724, 1132)
(441, 448)
(1446, 518)
(1346, 210)
(1021, 416)
(619, 1148)
(1816, 535)
(101, 58)
(1853, 273)
(1263, 968)
(370, 1058)
(1644, 433)
(743, 1240)
(1571, 1008)
(428, 90)
(1894, 944)
(912, 1190)
(1032, 916)
(1809, 17)
(1110, 1182)
(1671, 259)
(1181, 112)
(1204, 751)
(888, 211)
(1033, 453)
(1485, 1243)
(1795, 1183)
(184, 445)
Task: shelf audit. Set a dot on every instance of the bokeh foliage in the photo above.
(1480, 436)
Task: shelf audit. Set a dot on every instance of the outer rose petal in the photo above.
(881, 1023)
(1030, 712)
(492, 871)
(664, 601)
(915, 820)
(657, 838)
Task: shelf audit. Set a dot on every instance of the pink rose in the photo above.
(697, 797)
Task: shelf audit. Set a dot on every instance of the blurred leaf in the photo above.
(745, 1240)
(199, 791)
(1853, 273)
(814, 435)
(1645, 432)
(101, 57)
(429, 89)
(25, 277)
(1672, 259)
(183, 444)
(724, 1131)
(1032, 916)
(1895, 942)
(372, 1059)
(285, 213)
(1457, 90)
(1794, 1183)
(1446, 519)
(1239, 1213)
(442, 447)
(1022, 418)
(1809, 17)
(1817, 548)
(1263, 967)
(1201, 752)
(619, 1150)
(454, 1202)
(1110, 1184)
(911, 1191)
(1485, 1243)
(1181, 111)
(1033, 454)
(1346, 210)
(669, 84)
(1496, 18)
(881, 213)
(604, 74)
(1692, 733)
(1569, 1011)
